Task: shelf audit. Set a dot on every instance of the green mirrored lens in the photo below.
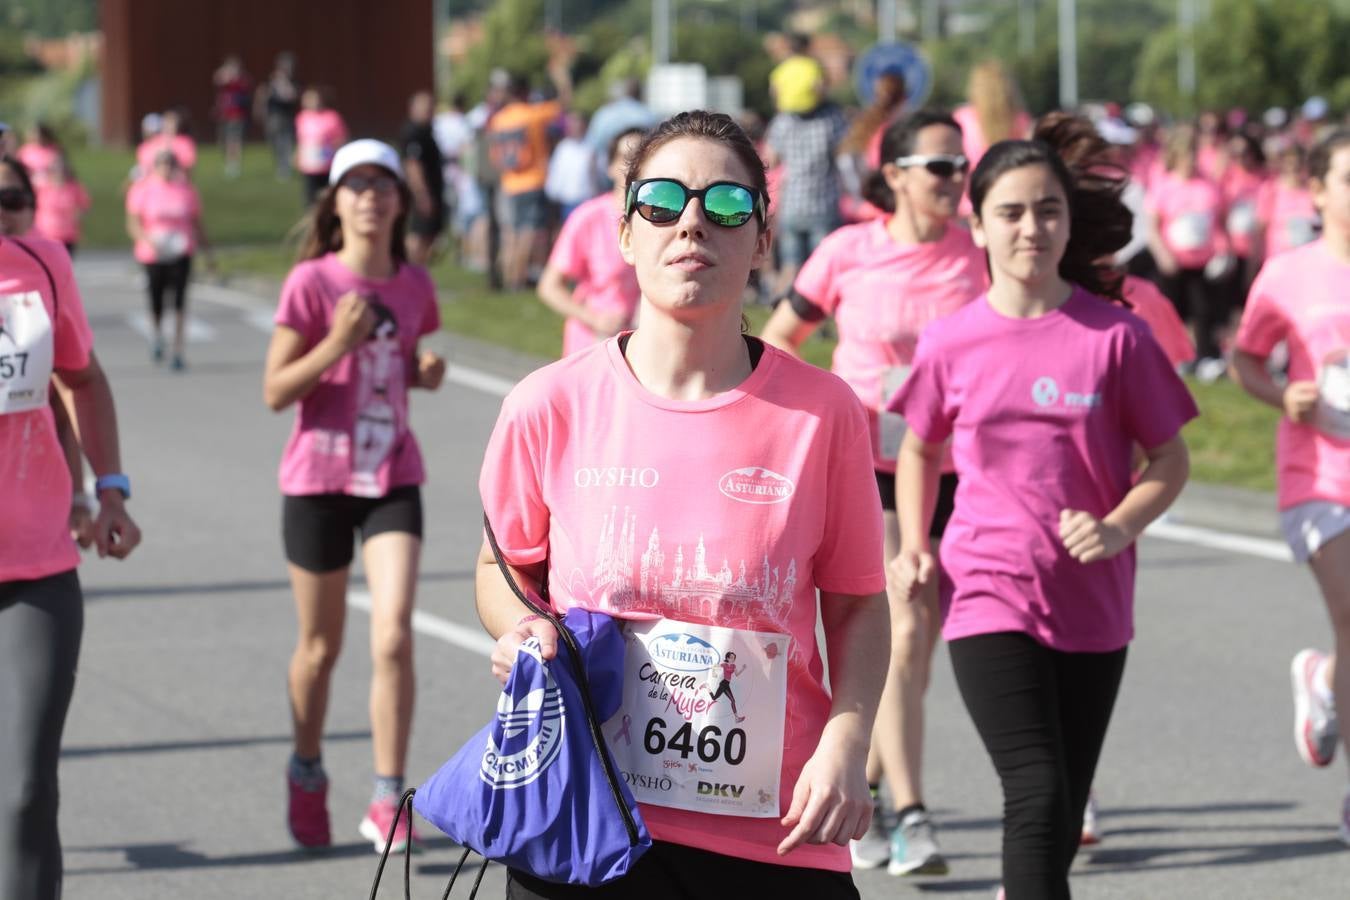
(660, 201)
(729, 204)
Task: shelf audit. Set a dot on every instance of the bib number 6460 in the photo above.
(709, 745)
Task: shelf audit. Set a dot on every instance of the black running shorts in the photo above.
(319, 530)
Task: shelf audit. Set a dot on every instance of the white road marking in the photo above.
(479, 381)
(471, 639)
(1265, 548)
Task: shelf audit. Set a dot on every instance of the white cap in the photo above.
(1114, 131)
(152, 123)
(366, 151)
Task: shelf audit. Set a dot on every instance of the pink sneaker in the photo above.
(375, 826)
(307, 814)
(1315, 727)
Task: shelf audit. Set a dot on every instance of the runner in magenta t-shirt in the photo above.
(693, 481)
(1044, 389)
(346, 351)
(587, 281)
(1302, 297)
(884, 281)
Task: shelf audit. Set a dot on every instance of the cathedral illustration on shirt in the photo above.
(675, 587)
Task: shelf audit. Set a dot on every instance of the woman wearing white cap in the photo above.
(346, 349)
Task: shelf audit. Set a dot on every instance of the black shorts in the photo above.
(674, 872)
(942, 511)
(319, 530)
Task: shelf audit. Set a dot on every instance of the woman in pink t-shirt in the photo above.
(61, 203)
(164, 219)
(1302, 297)
(1045, 388)
(1286, 204)
(319, 132)
(44, 337)
(884, 281)
(1243, 182)
(41, 154)
(703, 486)
(346, 351)
(602, 297)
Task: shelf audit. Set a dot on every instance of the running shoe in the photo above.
(307, 812)
(375, 826)
(874, 850)
(1091, 833)
(178, 364)
(1211, 369)
(1315, 728)
(914, 849)
(157, 350)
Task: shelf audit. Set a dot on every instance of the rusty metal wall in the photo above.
(162, 53)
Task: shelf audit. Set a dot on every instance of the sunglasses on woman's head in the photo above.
(943, 165)
(662, 201)
(15, 199)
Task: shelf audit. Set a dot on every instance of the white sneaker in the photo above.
(1210, 369)
(1091, 831)
(874, 849)
(1316, 732)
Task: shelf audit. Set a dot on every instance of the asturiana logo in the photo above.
(531, 729)
(755, 484)
(683, 653)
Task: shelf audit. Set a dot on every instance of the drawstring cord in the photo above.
(406, 801)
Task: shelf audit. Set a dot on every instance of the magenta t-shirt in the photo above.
(587, 252)
(1149, 304)
(38, 333)
(729, 511)
(882, 294)
(1190, 216)
(1302, 297)
(1044, 415)
(351, 434)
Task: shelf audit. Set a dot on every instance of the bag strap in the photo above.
(51, 281)
(569, 641)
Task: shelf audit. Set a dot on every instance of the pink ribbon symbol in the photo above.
(623, 731)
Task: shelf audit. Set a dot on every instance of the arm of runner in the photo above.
(556, 294)
(1089, 539)
(134, 230)
(80, 520)
(830, 802)
(505, 618)
(918, 469)
(115, 533)
(430, 370)
(1297, 400)
(786, 329)
(290, 373)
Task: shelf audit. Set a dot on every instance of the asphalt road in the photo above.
(175, 750)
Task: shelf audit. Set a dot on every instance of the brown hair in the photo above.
(321, 230)
(1319, 161)
(1182, 143)
(898, 140)
(887, 98)
(994, 97)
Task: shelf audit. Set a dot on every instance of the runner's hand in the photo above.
(607, 324)
(353, 320)
(430, 370)
(115, 533)
(1089, 539)
(81, 523)
(1300, 401)
(504, 656)
(830, 802)
(909, 572)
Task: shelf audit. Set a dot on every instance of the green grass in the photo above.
(1233, 441)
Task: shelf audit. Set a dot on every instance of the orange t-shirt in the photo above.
(518, 138)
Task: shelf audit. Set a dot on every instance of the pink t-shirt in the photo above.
(587, 253)
(184, 150)
(1290, 216)
(168, 211)
(39, 160)
(1149, 304)
(351, 434)
(1302, 297)
(647, 507)
(1044, 415)
(1190, 218)
(59, 210)
(973, 141)
(1242, 190)
(37, 334)
(883, 294)
(318, 135)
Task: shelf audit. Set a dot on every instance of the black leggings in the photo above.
(168, 276)
(1202, 304)
(40, 626)
(1042, 715)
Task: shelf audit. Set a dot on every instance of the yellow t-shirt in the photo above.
(796, 84)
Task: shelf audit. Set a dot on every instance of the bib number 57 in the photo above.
(12, 364)
(709, 744)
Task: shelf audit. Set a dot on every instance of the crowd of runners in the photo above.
(1015, 302)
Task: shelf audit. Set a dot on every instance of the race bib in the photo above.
(890, 426)
(27, 352)
(1190, 231)
(701, 726)
(1333, 410)
(1242, 218)
(169, 243)
(316, 156)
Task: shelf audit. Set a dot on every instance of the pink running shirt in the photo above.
(883, 294)
(1242, 191)
(1190, 218)
(1044, 415)
(168, 211)
(184, 150)
(351, 433)
(1302, 297)
(59, 210)
(318, 135)
(1149, 304)
(39, 160)
(37, 334)
(647, 507)
(587, 253)
(1291, 217)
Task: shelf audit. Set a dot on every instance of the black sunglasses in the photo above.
(726, 203)
(14, 199)
(943, 165)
